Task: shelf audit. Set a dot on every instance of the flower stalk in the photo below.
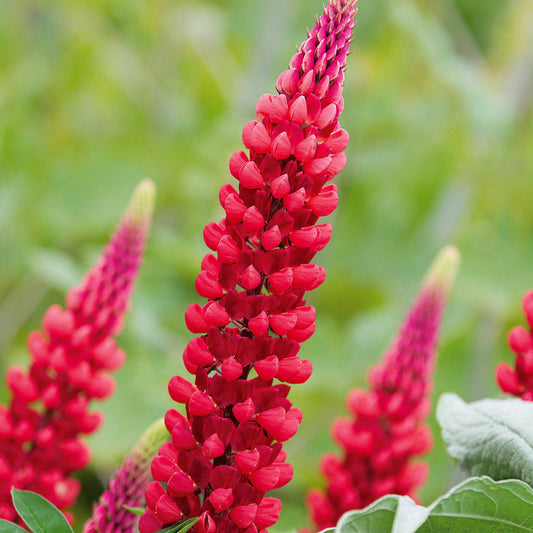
(71, 360)
(226, 451)
(387, 428)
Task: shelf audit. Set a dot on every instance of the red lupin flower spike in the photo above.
(72, 358)
(226, 452)
(388, 426)
(127, 486)
(519, 381)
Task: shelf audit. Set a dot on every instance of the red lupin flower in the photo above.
(519, 381)
(226, 452)
(387, 428)
(72, 358)
(126, 487)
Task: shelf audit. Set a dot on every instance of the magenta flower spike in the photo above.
(387, 428)
(519, 381)
(127, 486)
(226, 452)
(72, 357)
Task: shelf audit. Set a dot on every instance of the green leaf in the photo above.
(135, 510)
(481, 505)
(181, 527)
(478, 505)
(390, 514)
(489, 437)
(38, 513)
(10, 527)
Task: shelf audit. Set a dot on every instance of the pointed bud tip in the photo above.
(151, 440)
(139, 211)
(444, 268)
(343, 4)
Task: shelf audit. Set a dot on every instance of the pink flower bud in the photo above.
(182, 436)
(260, 140)
(271, 238)
(200, 404)
(207, 285)
(213, 447)
(236, 162)
(250, 278)
(295, 200)
(194, 319)
(180, 484)
(265, 479)
(283, 323)
(198, 353)
(281, 281)
(247, 461)
(308, 277)
(259, 324)
(231, 369)
(243, 411)
(167, 510)
(235, 208)
(250, 176)
(267, 368)
(180, 389)
(519, 340)
(212, 235)
(253, 219)
(280, 186)
(221, 499)
(243, 515)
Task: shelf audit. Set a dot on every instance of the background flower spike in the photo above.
(127, 486)
(71, 360)
(387, 426)
(226, 453)
(518, 381)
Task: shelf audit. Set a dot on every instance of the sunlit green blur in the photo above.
(95, 95)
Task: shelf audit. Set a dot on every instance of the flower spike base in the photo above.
(72, 357)
(226, 451)
(387, 428)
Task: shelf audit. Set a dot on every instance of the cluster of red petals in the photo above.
(226, 453)
(72, 356)
(387, 428)
(519, 381)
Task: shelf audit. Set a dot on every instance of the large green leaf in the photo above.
(478, 505)
(38, 513)
(489, 437)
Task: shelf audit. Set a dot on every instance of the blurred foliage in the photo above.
(96, 95)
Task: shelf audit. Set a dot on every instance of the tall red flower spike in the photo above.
(127, 486)
(226, 453)
(387, 428)
(519, 382)
(72, 356)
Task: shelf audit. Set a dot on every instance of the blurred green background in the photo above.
(96, 95)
